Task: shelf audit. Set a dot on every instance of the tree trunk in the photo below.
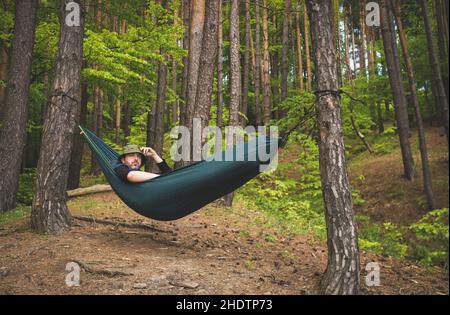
(442, 31)
(3, 77)
(439, 90)
(186, 8)
(352, 30)
(299, 48)
(284, 54)
(219, 119)
(394, 70)
(13, 128)
(395, 5)
(78, 143)
(245, 83)
(156, 139)
(206, 68)
(266, 75)
(308, 57)
(348, 71)
(342, 273)
(49, 212)
(235, 77)
(195, 48)
(362, 53)
(118, 111)
(257, 64)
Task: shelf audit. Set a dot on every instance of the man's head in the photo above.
(132, 156)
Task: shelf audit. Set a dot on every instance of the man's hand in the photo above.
(148, 151)
(151, 153)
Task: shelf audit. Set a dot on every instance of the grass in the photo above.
(10, 218)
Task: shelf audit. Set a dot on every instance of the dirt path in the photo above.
(215, 251)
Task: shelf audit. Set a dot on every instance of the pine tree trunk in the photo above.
(206, 67)
(186, 8)
(220, 69)
(78, 144)
(266, 76)
(245, 79)
(395, 6)
(342, 273)
(195, 48)
(352, 30)
(156, 139)
(308, 57)
(3, 77)
(437, 82)
(235, 77)
(442, 31)
(362, 55)
(299, 48)
(348, 71)
(394, 70)
(49, 212)
(13, 128)
(258, 65)
(284, 54)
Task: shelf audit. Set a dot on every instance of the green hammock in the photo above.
(182, 191)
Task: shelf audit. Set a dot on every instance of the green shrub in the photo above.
(26, 186)
(432, 238)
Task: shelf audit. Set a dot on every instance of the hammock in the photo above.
(180, 192)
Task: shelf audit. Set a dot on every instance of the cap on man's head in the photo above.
(130, 149)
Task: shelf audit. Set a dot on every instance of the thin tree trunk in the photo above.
(186, 7)
(362, 53)
(206, 68)
(284, 54)
(294, 63)
(257, 64)
(195, 47)
(308, 57)
(415, 100)
(49, 212)
(266, 76)
(118, 112)
(235, 78)
(219, 119)
(393, 66)
(347, 48)
(156, 139)
(3, 77)
(342, 273)
(352, 30)
(299, 48)
(245, 79)
(442, 31)
(439, 90)
(78, 143)
(13, 128)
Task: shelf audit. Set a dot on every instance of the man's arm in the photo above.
(138, 176)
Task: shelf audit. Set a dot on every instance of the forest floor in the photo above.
(217, 250)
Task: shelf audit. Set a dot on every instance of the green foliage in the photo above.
(26, 186)
(432, 236)
(384, 238)
(19, 213)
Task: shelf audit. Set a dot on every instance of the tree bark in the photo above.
(235, 78)
(437, 82)
(195, 48)
(206, 67)
(257, 64)
(245, 79)
(308, 57)
(266, 76)
(49, 212)
(394, 70)
(3, 77)
(13, 128)
(186, 8)
(78, 143)
(156, 139)
(395, 5)
(219, 119)
(342, 273)
(299, 48)
(284, 54)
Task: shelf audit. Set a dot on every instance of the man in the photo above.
(130, 161)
